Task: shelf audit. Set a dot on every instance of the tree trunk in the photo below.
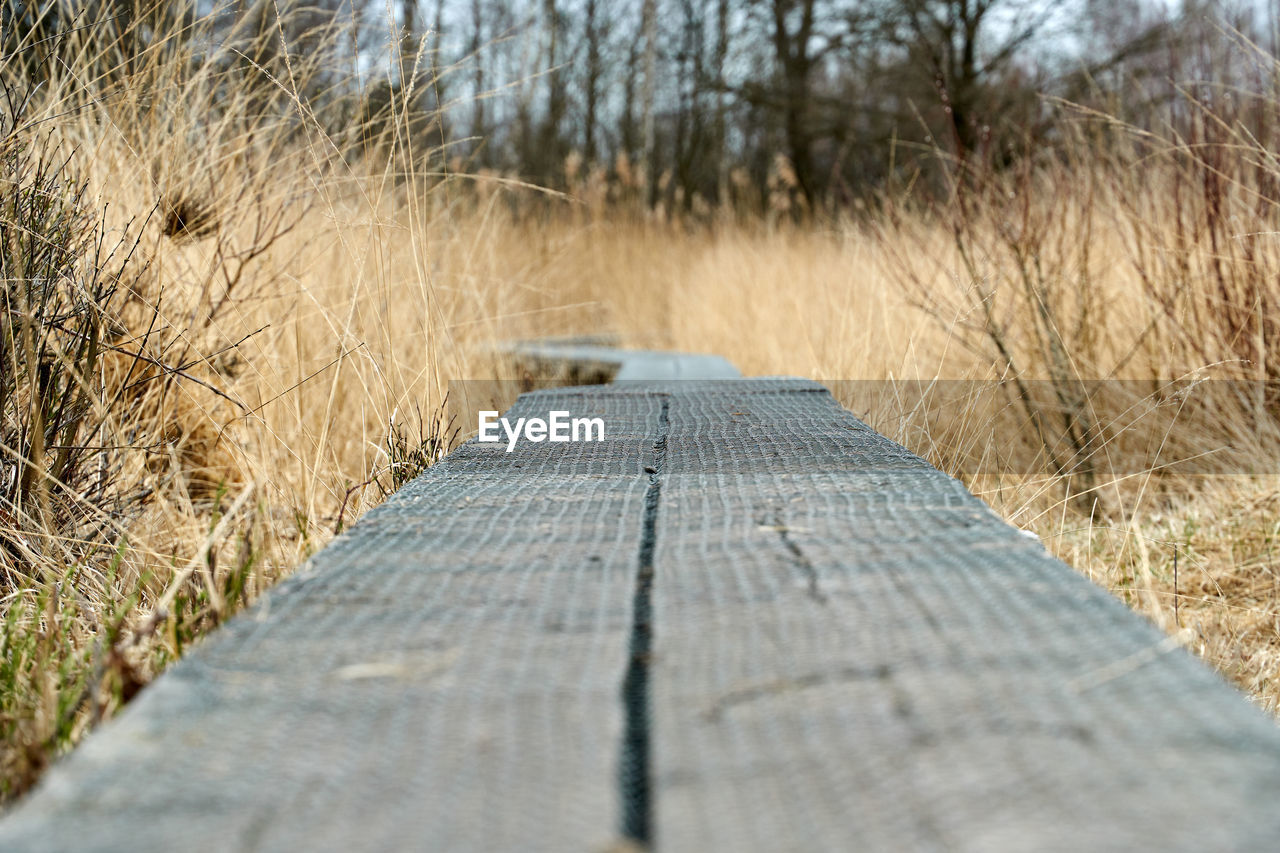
(408, 43)
(721, 142)
(478, 75)
(592, 82)
(650, 25)
(796, 64)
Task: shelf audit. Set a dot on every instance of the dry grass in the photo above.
(838, 305)
(277, 358)
(1190, 475)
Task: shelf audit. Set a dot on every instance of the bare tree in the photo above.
(953, 40)
(721, 123)
(594, 72)
(476, 49)
(649, 18)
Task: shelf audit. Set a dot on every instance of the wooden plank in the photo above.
(851, 652)
(445, 676)
(625, 365)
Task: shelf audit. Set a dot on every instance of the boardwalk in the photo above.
(742, 622)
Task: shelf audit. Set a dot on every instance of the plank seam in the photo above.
(634, 778)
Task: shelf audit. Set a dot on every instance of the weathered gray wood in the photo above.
(444, 677)
(626, 365)
(851, 652)
(743, 622)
